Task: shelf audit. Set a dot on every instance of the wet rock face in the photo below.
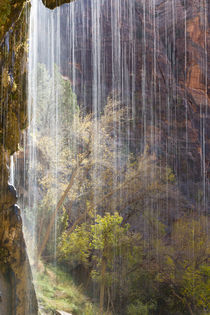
(15, 265)
(10, 12)
(184, 33)
(17, 296)
(5, 293)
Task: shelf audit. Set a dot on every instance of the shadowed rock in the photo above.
(52, 4)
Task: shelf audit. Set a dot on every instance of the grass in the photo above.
(57, 291)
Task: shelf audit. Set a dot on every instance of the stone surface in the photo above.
(18, 295)
(14, 261)
(5, 293)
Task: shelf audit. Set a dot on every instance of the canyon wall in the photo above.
(170, 96)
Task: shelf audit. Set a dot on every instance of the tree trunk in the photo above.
(102, 287)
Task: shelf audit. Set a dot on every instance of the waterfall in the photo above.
(12, 171)
(45, 45)
(116, 123)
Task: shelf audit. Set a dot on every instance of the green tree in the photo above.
(183, 265)
(102, 243)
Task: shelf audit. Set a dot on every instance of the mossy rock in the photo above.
(5, 10)
(4, 255)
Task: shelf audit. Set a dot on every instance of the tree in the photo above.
(183, 264)
(103, 243)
